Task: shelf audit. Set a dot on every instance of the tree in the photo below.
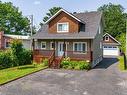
(115, 22)
(51, 12)
(114, 17)
(11, 19)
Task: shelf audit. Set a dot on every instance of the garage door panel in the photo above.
(114, 51)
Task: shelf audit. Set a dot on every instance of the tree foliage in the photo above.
(115, 22)
(11, 19)
(51, 12)
(115, 19)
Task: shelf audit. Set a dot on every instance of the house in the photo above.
(78, 36)
(6, 38)
(110, 46)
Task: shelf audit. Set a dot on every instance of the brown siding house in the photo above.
(78, 36)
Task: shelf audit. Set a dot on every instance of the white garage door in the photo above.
(111, 50)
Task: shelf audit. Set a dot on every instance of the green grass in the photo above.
(16, 72)
(121, 63)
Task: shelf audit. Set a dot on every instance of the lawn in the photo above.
(121, 63)
(16, 72)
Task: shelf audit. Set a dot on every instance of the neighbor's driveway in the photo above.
(105, 79)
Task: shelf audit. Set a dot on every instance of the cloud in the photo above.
(37, 2)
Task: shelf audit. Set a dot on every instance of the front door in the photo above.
(61, 48)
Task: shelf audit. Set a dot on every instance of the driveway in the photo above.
(104, 79)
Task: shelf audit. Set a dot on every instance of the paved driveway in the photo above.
(105, 79)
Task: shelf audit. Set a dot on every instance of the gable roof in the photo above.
(62, 10)
(92, 22)
(112, 38)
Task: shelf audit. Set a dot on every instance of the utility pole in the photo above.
(126, 37)
(31, 24)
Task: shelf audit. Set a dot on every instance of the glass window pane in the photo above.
(83, 47)
(75, 47)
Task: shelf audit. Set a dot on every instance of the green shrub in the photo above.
(20, 55)
(15, 56)
(5, 59)
(26, 57)
(45, 62)
(77, 65)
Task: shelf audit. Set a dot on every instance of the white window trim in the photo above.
(106, 39)
(80, 52)
(63, 31)
(51, 45)
(45, 45)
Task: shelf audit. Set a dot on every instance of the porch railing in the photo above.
(51, 58)
(39, 55)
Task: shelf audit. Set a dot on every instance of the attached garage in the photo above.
(110, 46)
(111, 50)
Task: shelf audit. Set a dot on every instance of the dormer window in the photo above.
(62, 27)
(106, 38)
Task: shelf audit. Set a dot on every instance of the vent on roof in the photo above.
(74, 12)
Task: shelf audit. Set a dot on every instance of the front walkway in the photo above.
(105, 79)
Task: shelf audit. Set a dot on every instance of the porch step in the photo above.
(56, 63)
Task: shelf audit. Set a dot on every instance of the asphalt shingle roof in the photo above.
(91, 19)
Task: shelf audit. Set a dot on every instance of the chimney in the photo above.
(1, 39)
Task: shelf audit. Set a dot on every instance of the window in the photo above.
(7, 44)
(52, 45)
(62, 27)
(106, 38)
(105, 46)
(43, 45)
(80, 47)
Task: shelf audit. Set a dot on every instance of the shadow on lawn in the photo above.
(106, 62)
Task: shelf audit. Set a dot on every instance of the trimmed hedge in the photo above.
(76, 65)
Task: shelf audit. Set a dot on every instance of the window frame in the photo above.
(51, 45)
(6, 43)
(106, 39)
(43, 43)
(82, 52)
(63, 31)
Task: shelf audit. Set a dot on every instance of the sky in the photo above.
(39, 8)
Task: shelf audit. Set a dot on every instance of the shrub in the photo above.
(26, 57)
(20, 55)
(77, 65)
(5, 59)
(45, 62)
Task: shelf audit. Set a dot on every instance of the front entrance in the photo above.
(61, 48)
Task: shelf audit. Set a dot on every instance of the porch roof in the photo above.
(81, 35)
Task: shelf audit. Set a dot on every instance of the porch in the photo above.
(56, 50)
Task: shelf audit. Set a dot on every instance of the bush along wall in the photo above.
(15, 56)
(76, 65)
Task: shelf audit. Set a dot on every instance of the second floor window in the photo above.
(62, 27)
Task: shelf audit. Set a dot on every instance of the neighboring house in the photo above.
(6, 38)
(78, 36)
(110, 46)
